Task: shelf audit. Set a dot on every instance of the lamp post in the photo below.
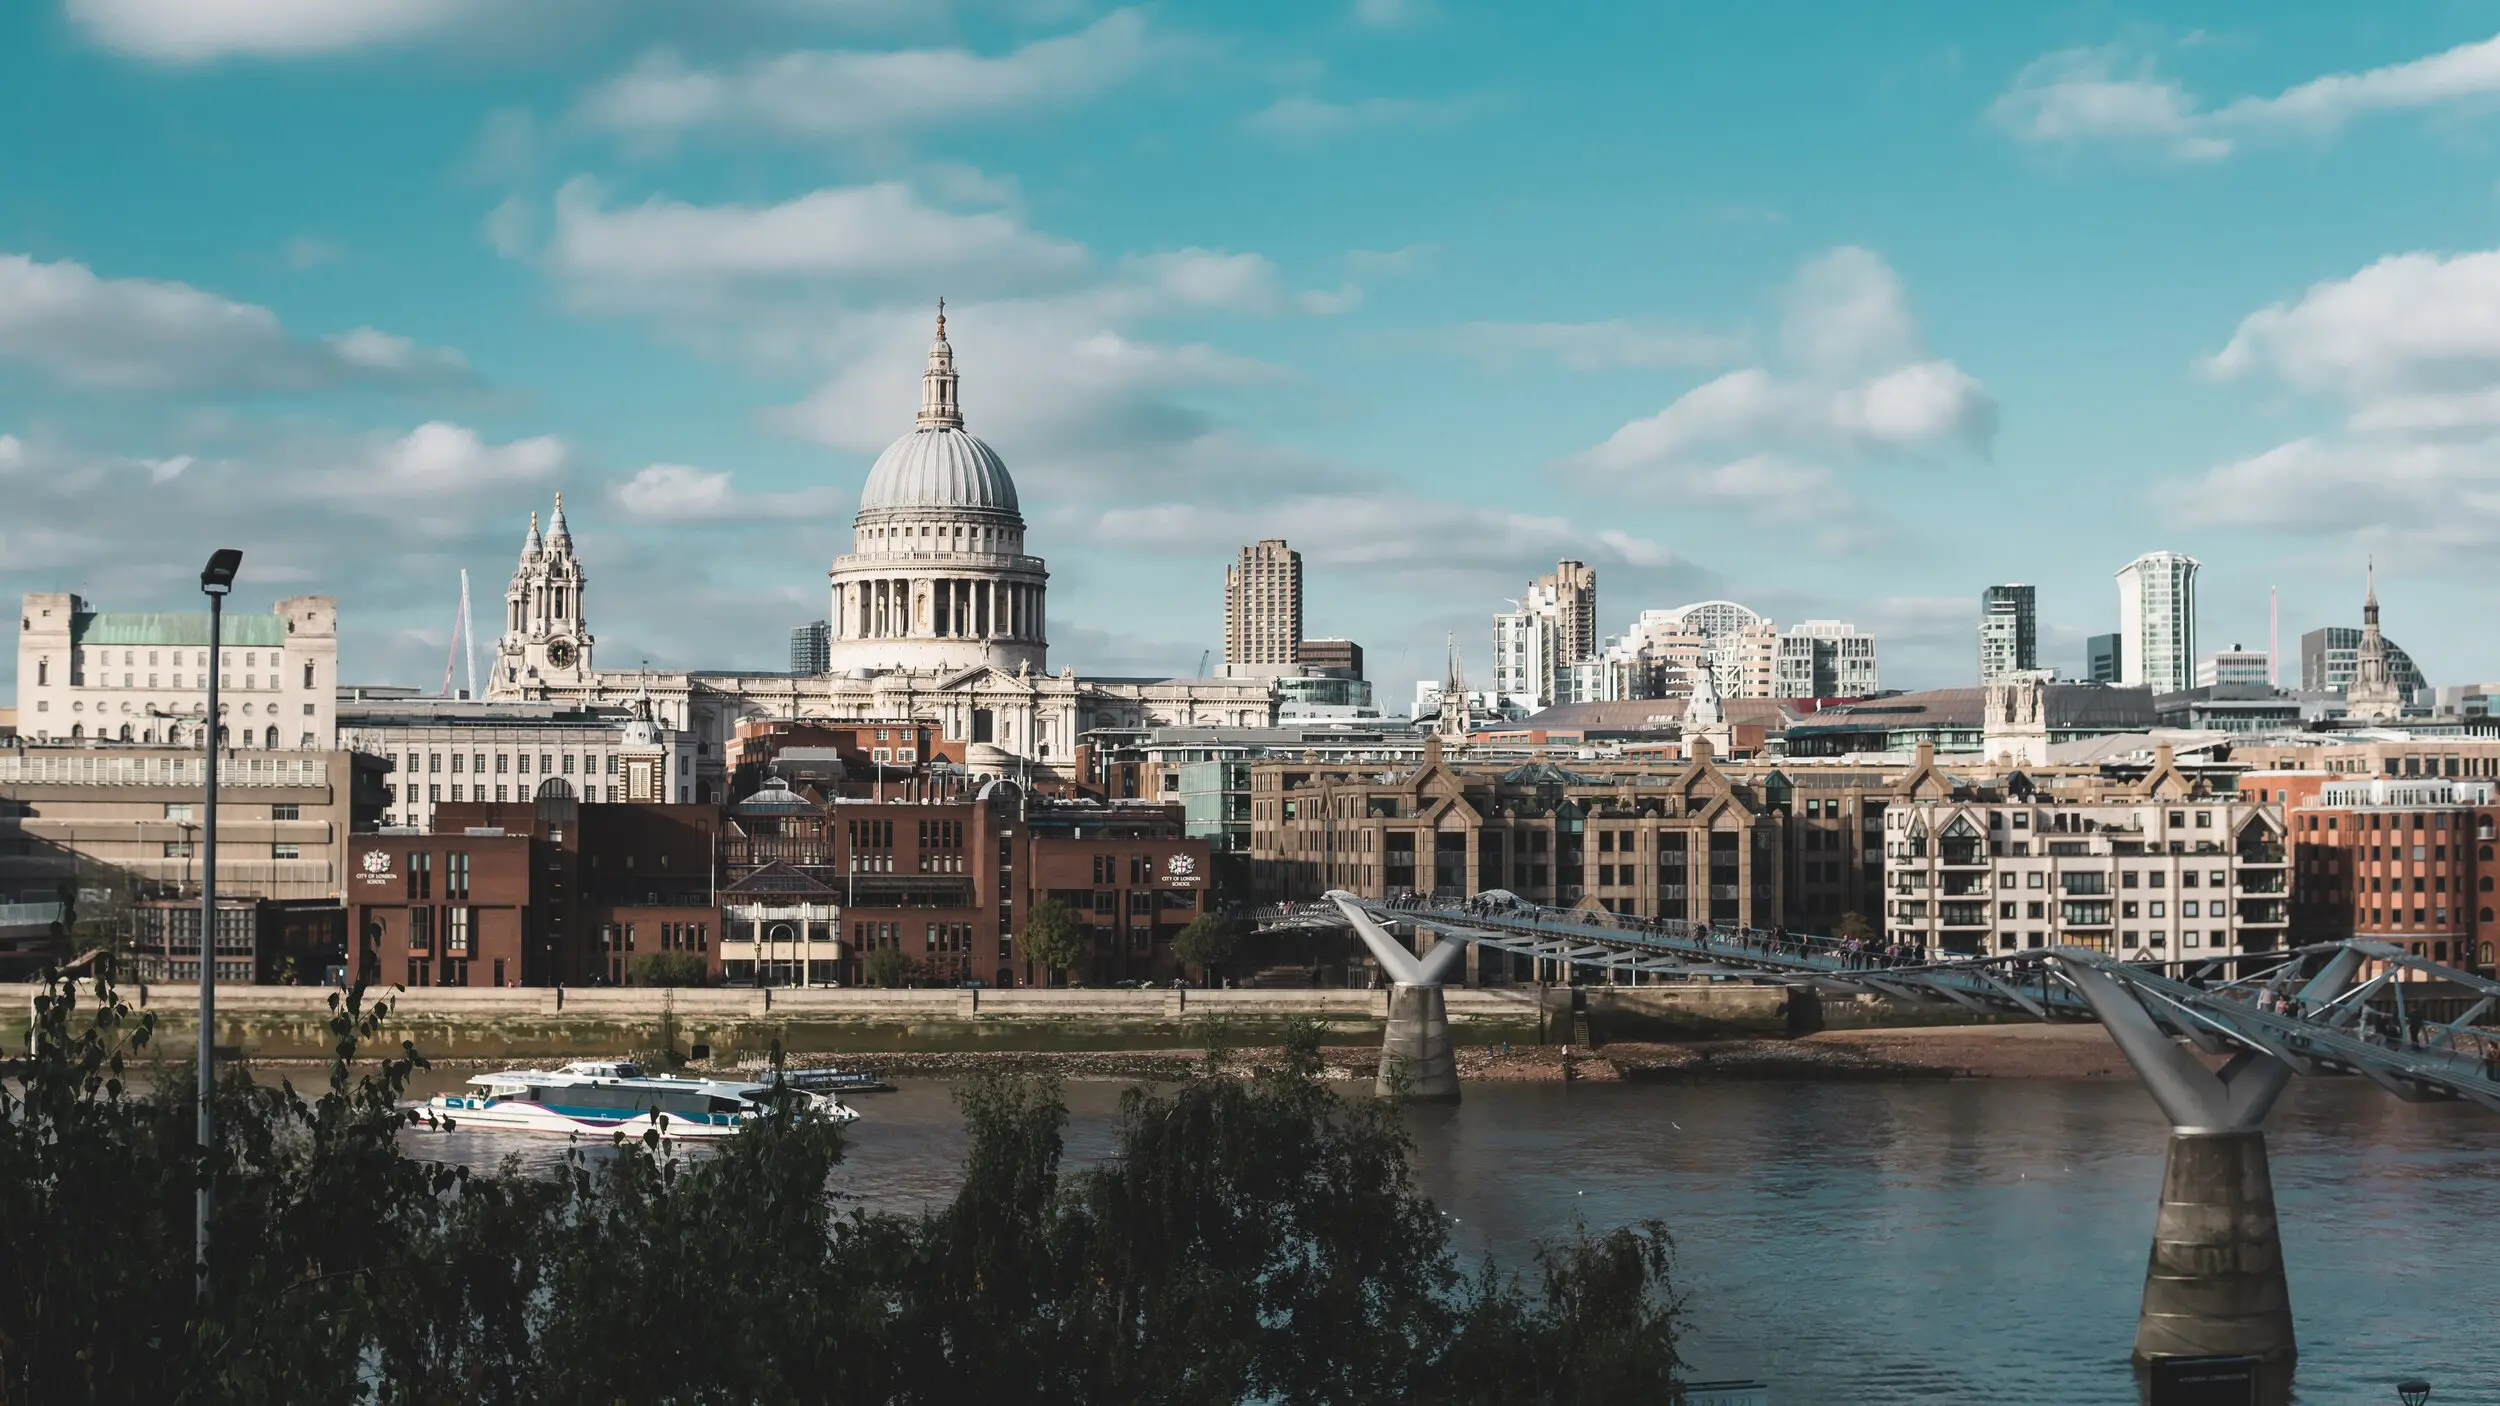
(2413, 1391)
(216, 579)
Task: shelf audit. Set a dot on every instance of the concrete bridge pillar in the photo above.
(1417, 1060)
(2214, 1284)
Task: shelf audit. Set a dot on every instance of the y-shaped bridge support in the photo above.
(1416, 1057)
(2214, 1285)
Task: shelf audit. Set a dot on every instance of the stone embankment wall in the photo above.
(291, 1022)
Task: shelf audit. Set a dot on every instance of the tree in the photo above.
(669, 969)
(1053, 940)
(887, 967)
(1244, 1239)
(1210, 938)
(1853, 926)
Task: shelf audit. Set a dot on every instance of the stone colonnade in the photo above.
(939, 607)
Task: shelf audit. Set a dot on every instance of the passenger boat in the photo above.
(600, 1097)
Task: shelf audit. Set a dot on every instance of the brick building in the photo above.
(2406, 862)
(264, 941)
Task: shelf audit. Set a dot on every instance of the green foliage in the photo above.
(887, 967)
(1053, 939)
(1210, 938)
(668, 969)
(1247, 1239)
(1853, 925)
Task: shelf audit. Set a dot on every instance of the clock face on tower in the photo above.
(560, 653)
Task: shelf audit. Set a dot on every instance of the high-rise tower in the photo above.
(2009, 632)
(1263, 610)
(2157, 622)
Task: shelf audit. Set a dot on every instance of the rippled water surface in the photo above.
(1897, 1243)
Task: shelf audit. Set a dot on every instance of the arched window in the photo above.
(224, 737)
(125, 732)
(272, 738)
(77, 731)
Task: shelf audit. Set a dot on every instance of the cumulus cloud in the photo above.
(2408, 350)
(848, 94)
(437, 459)
(1590, 346)
(2104, 96)
(684, 493)
(146, 335)
(855, 233)
(196, 31)
(1861, 386)
(2410, 342)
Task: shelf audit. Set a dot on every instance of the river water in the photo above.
(1967, 1241)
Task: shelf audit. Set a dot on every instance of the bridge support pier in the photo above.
(2214, 1284)
(1417, 1060)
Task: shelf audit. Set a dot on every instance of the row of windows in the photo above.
(434, 794)
(587, 763)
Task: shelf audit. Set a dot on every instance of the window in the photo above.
(178, 810)
(284, 850)
(2158, 909)
(177, 849)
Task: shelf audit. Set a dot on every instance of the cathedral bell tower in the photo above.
(546, 638)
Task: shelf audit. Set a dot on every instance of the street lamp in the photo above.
(216, 579)
(2413, 1391)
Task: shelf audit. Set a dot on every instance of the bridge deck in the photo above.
(2225, 1002)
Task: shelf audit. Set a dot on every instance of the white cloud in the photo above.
(146, 335)
(12, 452)
(683, 493)
(2079, 97)
(437, 460)
(2408, 349)
(1300, 117)
(846, 94)
(1591, 346)
(1862, 386)
(196, 31)
(871, 232)
(2410, 342)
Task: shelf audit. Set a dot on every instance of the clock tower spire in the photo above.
(546, 638)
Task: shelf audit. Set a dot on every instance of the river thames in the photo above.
(1975, 1240)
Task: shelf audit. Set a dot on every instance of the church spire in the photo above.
(2369, 602)
(531, 547)
(939, 409)
(1454, 710)
(559, 536)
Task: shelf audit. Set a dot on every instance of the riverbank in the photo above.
(452, 1023)
(1931, 1052)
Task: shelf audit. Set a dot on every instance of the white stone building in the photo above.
(457, 750)
(938, 615)
(2169, 875)
(142, 676)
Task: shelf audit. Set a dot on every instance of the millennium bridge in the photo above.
(2215, 1041)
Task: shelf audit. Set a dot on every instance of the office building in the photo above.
(1823, 659)
(142, 676)
(2009, 632)
(2157, 622)
(1334, 659)
(2100, 659)
(2235, 668)
(811, 649)
(1263, 611)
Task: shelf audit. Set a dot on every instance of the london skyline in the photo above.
(1835, 317)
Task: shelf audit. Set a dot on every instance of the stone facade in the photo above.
(142, 676)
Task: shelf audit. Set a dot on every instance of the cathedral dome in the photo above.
(938, 467)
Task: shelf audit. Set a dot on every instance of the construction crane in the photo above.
(1203, 656)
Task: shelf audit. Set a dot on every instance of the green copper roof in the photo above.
(174, 628)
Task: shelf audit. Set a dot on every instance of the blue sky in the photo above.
(1836, 310)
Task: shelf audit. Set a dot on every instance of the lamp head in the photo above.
(2413, 1391)
(217, 577)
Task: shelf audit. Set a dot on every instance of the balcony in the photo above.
(1963, 854)
(2083, 915)
(2261, 883)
